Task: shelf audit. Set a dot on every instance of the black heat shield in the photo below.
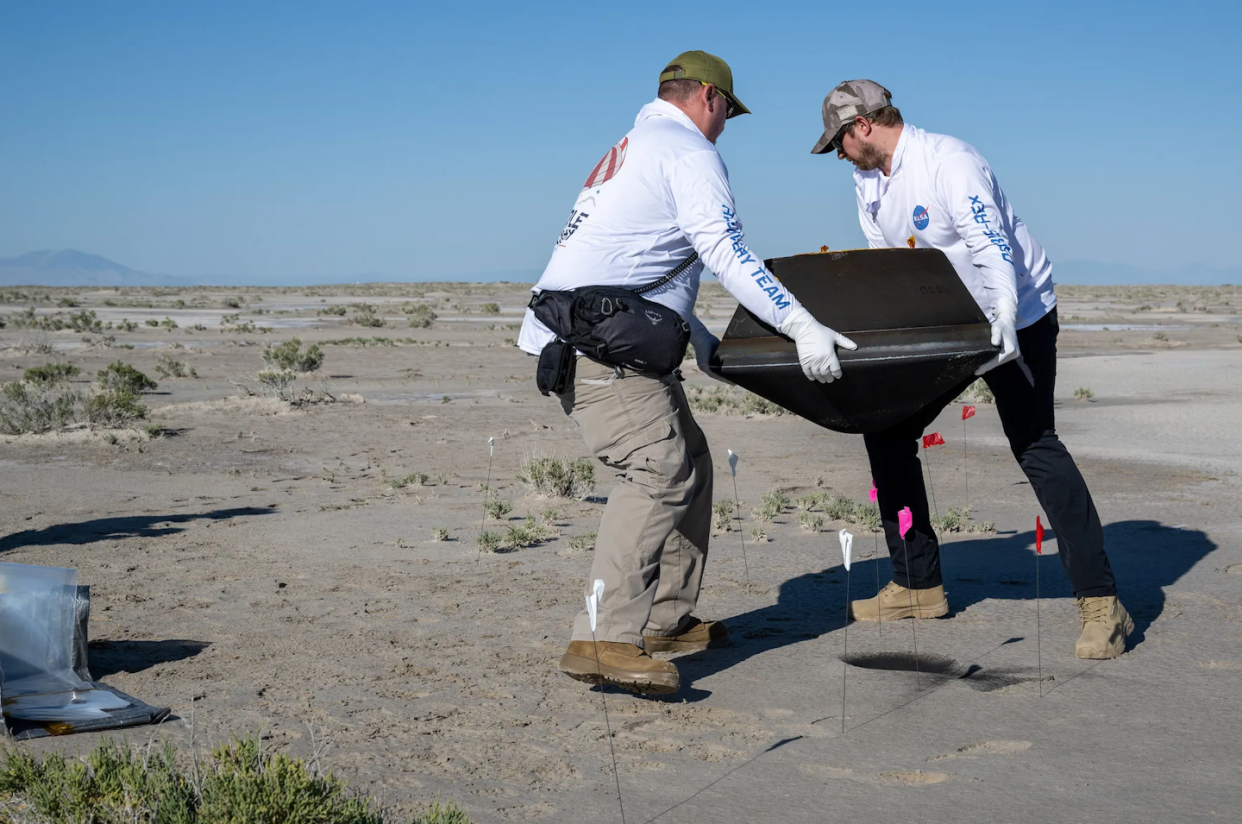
(919, 334)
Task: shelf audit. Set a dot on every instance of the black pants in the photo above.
(1026, 414)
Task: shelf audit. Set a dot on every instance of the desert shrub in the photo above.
(758, 535)
(840, 508)
(168, 323)
(1160, 336)
(771, 504)
(123, 377)
(113, 407)
(167, 366)
(722, 516)
(1082, 393)
(957, 519)
(489, 541)
(490, 308)
(497, 509)
(334, 309)
(520, 536)
(728, 401)
(421, 315)
(36, 407)
(290, 356)
(439, 534)
(413, 479)
(151, 322)
(277, 380)
(50, 373)
(550, 514)
(558, 478)
(811, 521)
(977, 392)
(583, 542)
(69, 302)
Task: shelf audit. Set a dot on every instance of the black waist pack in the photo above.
(555, 372)
(618, 327)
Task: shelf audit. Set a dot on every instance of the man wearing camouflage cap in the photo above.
(921, 190)
(657, 197)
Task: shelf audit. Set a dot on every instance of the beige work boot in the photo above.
(895, 602)
(1105, 627)
(623, 665)
(697, 635)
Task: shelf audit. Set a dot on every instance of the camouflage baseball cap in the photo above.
(851, 99)
(705, 68)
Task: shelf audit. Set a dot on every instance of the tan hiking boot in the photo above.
(896, 602)
(697, 635)
(1105, 627)
(623, 665)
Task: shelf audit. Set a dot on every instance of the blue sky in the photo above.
(431, 141)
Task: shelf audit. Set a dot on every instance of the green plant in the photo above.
(413, 479)
(728, 401)
(123, 377)
(1082, 393)
(583, 542)
(1160, 336)
(977, 392)
(152, 322)
(810, 521)
(445, 399)
(551, 514)
(722, 516)
(558, 478)
(168, 323)
(278, 380)
(490, 308)
(167, 366)
(497, 508)
(758, 535)
(840, 508)
(50, 373)
(421, 315)
(439, 534)
(291, 357)
(521, 536)
(35, 407)
(489, 541)
(334, 309)
(113, 407)
(957, 519)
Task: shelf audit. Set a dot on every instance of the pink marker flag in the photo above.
(968, 412)
(874, 492)
(934, 439)
(905, 520)
(1039, 537)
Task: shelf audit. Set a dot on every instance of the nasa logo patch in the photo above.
(921, 218)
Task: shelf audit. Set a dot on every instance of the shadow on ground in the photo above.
(133, 526)
(110, 657)
(1146, 557)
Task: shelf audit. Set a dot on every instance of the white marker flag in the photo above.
(592, 601)
(847, 547)
(491, 446)
(732, 461)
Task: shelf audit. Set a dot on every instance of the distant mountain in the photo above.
(72, 268)
(1092, 273)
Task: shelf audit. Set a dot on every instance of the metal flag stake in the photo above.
(737, 513)
(847, 548)
(875, 499)
(934, 439)
(487, 491)
(905, 520)
(593, 599)
(1039, 654)
(967, 412)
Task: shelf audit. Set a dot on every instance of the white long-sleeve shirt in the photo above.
(941, 193)
(659, 195)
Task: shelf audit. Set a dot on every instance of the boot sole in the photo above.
(936, 611)
(1114, 652)
(588, 671)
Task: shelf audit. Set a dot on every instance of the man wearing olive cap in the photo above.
(919, 189)
(657, 197)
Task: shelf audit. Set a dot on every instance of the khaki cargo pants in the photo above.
(652, 542)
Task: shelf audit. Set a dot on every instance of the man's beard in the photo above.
(869, 157)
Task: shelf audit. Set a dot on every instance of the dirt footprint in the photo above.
(907, 778)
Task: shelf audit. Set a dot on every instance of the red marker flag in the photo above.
(933, 439)
(968, 412)
(1039, 537)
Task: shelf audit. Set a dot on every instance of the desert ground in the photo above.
(280, 565)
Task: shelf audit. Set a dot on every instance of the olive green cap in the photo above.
(705, 68)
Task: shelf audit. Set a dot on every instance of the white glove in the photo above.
(817, 345)
(705, 343)
(1004, 335)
